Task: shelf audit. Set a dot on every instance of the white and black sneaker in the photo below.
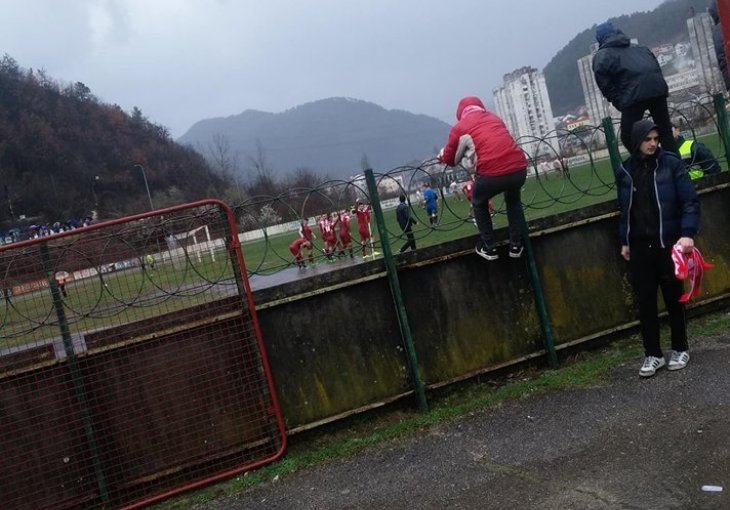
(515, 251)
(651, 365)
(486, 253)
(678, 360)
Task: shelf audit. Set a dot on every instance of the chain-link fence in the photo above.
(131, 366)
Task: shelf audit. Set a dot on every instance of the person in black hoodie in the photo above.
(659, 209)
(630, 77)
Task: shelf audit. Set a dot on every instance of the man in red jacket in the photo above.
(500, 166)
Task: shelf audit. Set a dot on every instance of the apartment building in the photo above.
(523, 103)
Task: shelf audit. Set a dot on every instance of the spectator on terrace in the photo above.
(630, 77)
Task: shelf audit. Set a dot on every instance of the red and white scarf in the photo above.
(689, 266)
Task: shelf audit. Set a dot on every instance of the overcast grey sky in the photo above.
(181, 61)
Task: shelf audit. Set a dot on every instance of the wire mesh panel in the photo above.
(131, 366)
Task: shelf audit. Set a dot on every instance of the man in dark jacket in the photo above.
(403, 215)
(631, 79)
(659, 209)
(697, 156)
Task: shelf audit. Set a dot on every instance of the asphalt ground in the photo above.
(627, 443)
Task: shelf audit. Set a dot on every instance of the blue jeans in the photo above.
(487, 187)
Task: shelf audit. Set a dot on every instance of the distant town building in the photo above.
(524, 105)
(709, 78)
(597, 105)
(576, 123)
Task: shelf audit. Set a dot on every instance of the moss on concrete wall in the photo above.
(336, 351)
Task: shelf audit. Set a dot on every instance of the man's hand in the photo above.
(626, 252)
(687, 243)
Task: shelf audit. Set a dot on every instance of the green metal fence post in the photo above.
(611, 143)
(547, 333)
(722, 124)
(395, 290)
(75, 373)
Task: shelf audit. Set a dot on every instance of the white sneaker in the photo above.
(678, 360)
(651, 365)
(489, 254)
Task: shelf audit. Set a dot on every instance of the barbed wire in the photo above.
(176, 260)
(566, 169)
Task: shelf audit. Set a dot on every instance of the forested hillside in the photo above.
(64, 154)
(665, 24)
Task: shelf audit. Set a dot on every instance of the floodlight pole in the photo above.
(146, 186)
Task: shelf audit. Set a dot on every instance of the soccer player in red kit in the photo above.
(296, 249)
(326, 228)
(305, 232)
(363, 223)
(345, 236)
(468, 189)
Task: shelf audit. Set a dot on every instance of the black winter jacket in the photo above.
(677, 205)
(627, 74)
(403, 215)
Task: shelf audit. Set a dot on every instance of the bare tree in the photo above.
(258, 165)
(225, 162)
(262, 173)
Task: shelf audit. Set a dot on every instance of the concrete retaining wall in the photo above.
(334, 343)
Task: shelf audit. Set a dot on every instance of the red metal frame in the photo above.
(236, 245)
(273, 410)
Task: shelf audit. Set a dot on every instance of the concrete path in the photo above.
(628, 444)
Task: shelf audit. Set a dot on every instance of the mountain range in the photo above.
(336, 137)
(333, 137)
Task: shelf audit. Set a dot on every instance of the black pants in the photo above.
(651, 267)
(657, 107)
(411, 241)
(487, 187)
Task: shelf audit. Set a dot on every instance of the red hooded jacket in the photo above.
(482, 136)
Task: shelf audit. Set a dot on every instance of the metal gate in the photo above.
(131, 362)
